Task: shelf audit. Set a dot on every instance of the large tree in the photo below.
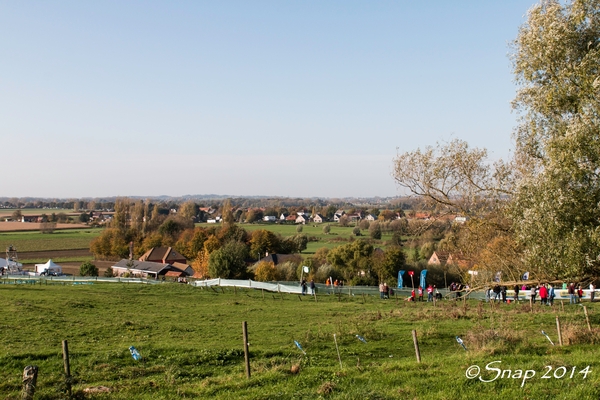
(543, 206)
(229, 261)
(555, 208)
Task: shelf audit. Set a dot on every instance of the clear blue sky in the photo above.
(282, 98)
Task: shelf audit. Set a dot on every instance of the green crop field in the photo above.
(191, 343)
(59, 240)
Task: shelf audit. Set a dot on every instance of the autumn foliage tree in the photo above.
(266, 272)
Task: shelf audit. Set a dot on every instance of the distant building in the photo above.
(318, 218)
(146, 269)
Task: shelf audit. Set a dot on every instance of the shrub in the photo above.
(375, 230)
(266, 271)
(109, 272)
(88, 269)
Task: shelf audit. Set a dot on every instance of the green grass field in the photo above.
(336, 237)
(59, 240)
(191, 343)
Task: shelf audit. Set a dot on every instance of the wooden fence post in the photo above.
(560, 342)
(587, 318)
(30, 374)
(246, 355)
(65, 349)
(418, 353)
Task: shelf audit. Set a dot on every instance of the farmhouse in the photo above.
(163, 255)
(167, 255)
(144, 269)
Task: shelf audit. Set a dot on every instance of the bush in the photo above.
(109, 272)
(266, 272)
(375, 230)
(356, 231)
(299, 228)
(326, 229)
(88, 269)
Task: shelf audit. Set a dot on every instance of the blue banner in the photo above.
(400, 281)
(423, 274)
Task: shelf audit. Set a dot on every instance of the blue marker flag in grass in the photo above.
(134, 353)
(300, 347)
(362, 339)
(548, 337)
(459, 340)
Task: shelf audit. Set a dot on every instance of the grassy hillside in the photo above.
(192, 345)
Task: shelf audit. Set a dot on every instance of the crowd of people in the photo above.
(545, 291)
(497, 293)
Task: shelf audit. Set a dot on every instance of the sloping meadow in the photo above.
(190, 340)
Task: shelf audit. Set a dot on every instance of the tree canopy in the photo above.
(539, 212)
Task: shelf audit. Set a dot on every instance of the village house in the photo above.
(444, 258)
(302, 219)
(338, 214)
(318, 219)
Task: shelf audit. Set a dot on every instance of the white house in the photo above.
(318, 218)
(302, 219)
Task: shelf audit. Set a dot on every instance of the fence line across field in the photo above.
(279, 287)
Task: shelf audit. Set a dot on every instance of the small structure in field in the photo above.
(49, 268)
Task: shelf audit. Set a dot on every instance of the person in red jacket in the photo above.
(420, 293)
(543, 294)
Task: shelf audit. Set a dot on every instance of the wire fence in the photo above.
(279, 287)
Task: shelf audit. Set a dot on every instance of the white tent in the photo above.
(50, 267)
(3, 263)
